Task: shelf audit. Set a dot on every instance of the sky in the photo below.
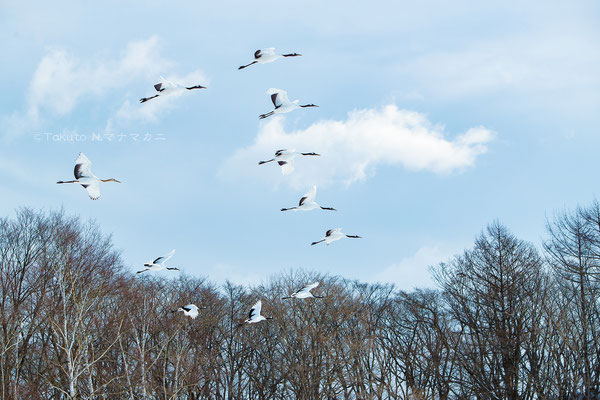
(435, 119)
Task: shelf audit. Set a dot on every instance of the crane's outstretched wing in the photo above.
(310, 195)
(255, 309)
(329, 232)
(278, 96)
(82, 167)
(162, 259)
(275, 100)
(93, 189)
(287, 167)
(164, 84)
(308, 288)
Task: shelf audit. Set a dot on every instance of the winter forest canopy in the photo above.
(509, 320)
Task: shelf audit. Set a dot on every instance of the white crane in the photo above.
(307, 202)
(266, 56)
(190, 310)
(334, 234)
(85, 177)
(159, 264)
(166, 87)
(304, 293)
(285, 159)
(254, 314)
(282, 103)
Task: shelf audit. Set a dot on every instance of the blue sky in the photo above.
(435, 119)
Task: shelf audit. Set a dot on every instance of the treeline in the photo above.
(508, 321)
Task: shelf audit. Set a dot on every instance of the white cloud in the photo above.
(413, 271)
(352, 149)
(15, 123)
(540, 62)
(61, 79)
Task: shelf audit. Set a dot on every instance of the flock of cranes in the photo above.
(284, 158)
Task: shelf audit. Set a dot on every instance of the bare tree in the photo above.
(23, 278)
(490, 291)
(572, 252)
(85, 267)
(505, 323)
